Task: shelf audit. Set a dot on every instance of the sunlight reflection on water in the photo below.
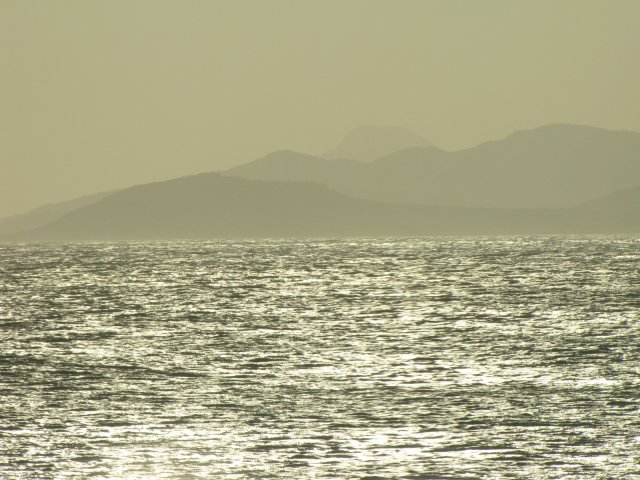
(424, 358)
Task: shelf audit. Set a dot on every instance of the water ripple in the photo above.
(427, 358)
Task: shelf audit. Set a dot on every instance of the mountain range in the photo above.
(555, 166)
(46, 214)
(554, 179)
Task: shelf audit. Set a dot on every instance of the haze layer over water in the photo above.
(444, 358)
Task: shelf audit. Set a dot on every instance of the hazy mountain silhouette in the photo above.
(553, 166)
(211, 205)
(286, 165)
(46, 213)
(618, 212)
(369, 142)
(289, 194)
(215, 206)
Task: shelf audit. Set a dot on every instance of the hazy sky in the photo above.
(102, 94)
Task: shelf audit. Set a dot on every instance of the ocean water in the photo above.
(451, 358)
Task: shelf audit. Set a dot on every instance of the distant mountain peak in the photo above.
(286, 155)
(370, 142)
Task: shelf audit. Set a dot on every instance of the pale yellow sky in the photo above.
(96, 95)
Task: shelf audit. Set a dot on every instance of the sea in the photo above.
(415, 358)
